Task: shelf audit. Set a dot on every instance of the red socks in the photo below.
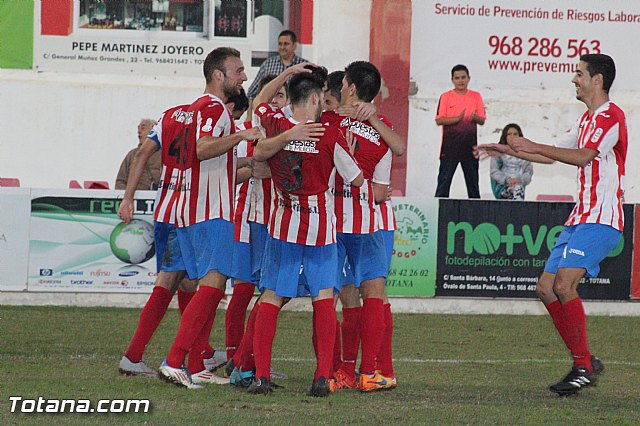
(324, 326)
(183, 299)
(350, 339)
(236, 314)
(244, 355)
(385, 358)
(150, 318)
(555, 311)
(337, 349)
(371, 333)
(194, 322)
(576, 324)
(265, 332)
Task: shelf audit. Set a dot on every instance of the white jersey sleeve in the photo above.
(345, 164)
(382, 172)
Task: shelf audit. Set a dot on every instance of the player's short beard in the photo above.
(230, 90)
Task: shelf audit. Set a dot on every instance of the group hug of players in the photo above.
(295, 203)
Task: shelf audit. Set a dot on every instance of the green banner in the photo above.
(413, 265)
(16, 34)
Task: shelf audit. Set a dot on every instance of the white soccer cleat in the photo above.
(207, 377)
(218, 359)
(177, 376)
(129, 368)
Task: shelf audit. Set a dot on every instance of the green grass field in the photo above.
(452, 369)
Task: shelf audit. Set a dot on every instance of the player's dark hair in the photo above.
(289, 33)
(366, 78)
(240, 101)
(301, 86)
(334, 84)
(459, 67)
(598, 63)
(503, 136)
(215, 61)
(265, 80)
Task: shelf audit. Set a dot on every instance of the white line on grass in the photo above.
(472, 361)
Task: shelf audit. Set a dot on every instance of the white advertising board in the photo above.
(14, 238)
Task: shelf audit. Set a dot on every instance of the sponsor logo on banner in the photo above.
(494, 249)
(100, 273)
(124, 283)
(111, 282)
(49, 282)
(413, 266)
(145, 283)
(128, 273)
(412, 231)
(77, 273)
(152, 274)
(46, 272)
(82, 282)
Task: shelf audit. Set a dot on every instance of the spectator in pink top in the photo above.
(459, 112)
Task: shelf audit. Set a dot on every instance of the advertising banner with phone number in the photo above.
(499, 249)
(511, 43)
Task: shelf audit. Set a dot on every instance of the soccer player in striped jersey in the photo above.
(301, 229)
(204, 208)
(171, 273)
(361, 247)
(597, 145)
(251, 218)
(171, 270)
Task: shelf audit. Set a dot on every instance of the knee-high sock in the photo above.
(337, 349)
(193, 321)
(201, 348)
(265, 332)
(350, 339)
(371, 332)
(236, 315)
(324, 325)
(385, 357)
(576, 322)
(184, 297)
(244, 355)
(150, 318)
(555, 311)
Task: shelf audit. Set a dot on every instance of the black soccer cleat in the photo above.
(228, 369)
(596, 365)
(261, 386)
(577, 379)
(321, 387)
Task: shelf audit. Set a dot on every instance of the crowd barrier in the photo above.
(72, 240)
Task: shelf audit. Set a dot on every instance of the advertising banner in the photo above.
(413, 265)
(153, 37)
(79, 244)
(14, 238)
(499, 249)
(532, 44)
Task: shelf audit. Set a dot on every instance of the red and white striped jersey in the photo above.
(263, 189)
(355, 207)
(386, 216)
(243, 193)
(167, 133)
(302, 174)
(207, 188)
(601, 193)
